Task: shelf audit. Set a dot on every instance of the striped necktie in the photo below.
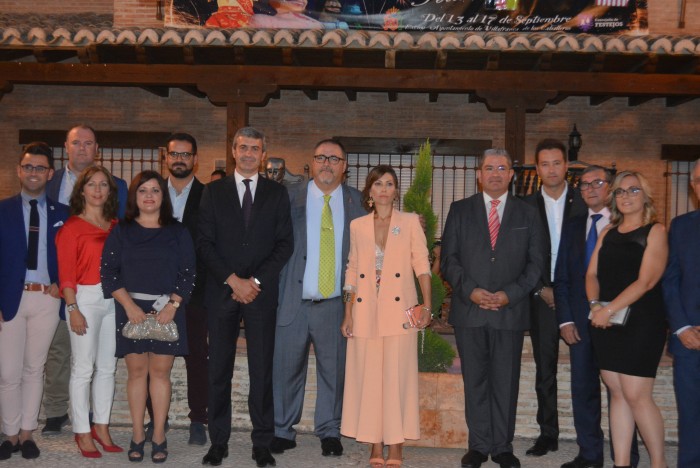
(494, 223)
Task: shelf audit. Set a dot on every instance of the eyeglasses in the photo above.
(322, 158)
(28, 169)
(632, 192)
(594, 184)
(499, 169)
(184, 156)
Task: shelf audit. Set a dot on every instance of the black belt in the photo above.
(318, 301)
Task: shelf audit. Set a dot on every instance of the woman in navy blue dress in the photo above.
(146, 256)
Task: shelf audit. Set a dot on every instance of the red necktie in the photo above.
(494, 223)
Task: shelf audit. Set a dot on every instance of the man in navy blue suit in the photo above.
(29, 299)
(682, 296)
(578, 238)
(81, 147)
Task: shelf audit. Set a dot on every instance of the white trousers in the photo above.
(24, 345)
(92, 359)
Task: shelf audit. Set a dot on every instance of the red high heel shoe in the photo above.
(107, 448)
(86, 453)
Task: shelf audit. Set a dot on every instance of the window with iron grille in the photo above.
(124, 154)
(454, 166)
(680, 196)
(680, 162)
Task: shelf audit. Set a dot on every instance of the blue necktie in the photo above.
(592, 238)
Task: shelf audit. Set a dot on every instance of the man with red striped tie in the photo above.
(492, 256)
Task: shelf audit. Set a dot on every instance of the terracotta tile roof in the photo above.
(80, 30)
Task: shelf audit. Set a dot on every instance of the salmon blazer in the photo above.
(381, 313)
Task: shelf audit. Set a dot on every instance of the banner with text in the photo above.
(574, 16)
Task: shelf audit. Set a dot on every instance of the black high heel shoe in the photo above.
(159, 449)
(136, 451)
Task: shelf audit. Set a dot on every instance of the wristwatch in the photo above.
(71, 307)
(174, 303)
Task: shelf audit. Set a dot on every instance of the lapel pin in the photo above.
(395, 230)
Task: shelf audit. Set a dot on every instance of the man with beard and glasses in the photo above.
(185, 194)
(308, 313)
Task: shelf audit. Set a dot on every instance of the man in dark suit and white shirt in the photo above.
(492, 256)
(555, 202)
(185, 194)
(245, 239)
(307, 315)
(81, 148)
(682, 294)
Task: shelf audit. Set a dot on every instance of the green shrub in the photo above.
(437, 353)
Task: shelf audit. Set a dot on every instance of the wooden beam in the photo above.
(5, 88)
(515, 104)
(358, 79)
(635, 101)
(160, 91)
(677, 101)
(598, 100)
(193, 91)
(560, 97)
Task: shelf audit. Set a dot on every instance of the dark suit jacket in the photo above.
(574, 206)
(515, 266)
(53, 189)
(681, 282)
(13, 250)
(292, 279)
(190, 218)
(226, 246)
(570, 274)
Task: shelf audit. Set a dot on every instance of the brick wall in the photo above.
(613, 132)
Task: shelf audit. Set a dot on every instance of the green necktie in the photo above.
(326, 262)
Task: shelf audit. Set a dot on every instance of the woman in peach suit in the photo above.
(387, 247)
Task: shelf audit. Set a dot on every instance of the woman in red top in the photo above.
(79, 243)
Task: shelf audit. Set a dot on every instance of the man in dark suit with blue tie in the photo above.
(29, 298)
(681, 286)
(492, 256)
(245, 239)
(578, 238)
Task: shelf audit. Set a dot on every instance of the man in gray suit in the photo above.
(492, 256)
(309, 312)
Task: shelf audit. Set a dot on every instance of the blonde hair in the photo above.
(649, 215)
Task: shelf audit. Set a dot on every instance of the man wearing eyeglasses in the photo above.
(29, 298)
(578, 238)
(81, 148)
(492, 256)
(185, 194)
(310, 312)
(555, 202)
(682, 297)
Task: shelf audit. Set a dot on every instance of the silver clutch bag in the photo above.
(150, 329)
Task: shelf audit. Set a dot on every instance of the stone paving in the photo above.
(58, 451)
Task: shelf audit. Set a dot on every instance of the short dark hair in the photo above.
(166, 208)
(549, 144)
(83, 126)
(77, 201)
(494, 152)
(333, 141)
(220, 172)
(182, 136)
(375, 174)
(40, 148)
(594, 167)
(250, 132)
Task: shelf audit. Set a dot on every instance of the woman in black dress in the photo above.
(625, 270)
(147, 256)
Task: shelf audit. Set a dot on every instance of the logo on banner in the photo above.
(391, 19)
